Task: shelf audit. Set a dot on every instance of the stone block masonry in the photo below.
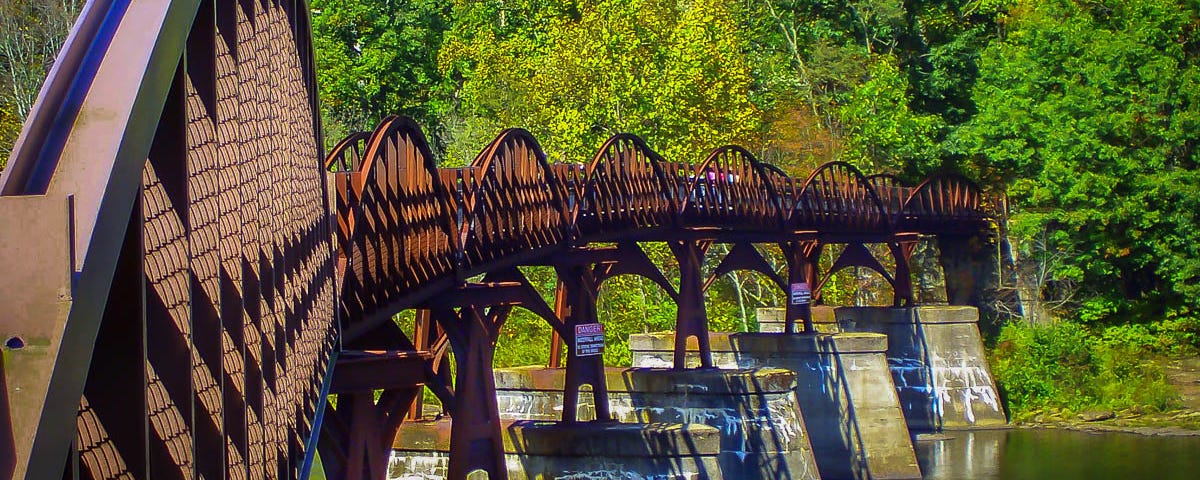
(846, 396)
(762, 433)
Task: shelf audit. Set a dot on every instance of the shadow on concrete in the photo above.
(614, 450)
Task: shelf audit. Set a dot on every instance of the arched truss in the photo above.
(510, 204)
(944, 203)
(513, 202)
(837, 198)
(400, 235)
(730, 188)
(624, 189)
(347, 155)
(892, 193)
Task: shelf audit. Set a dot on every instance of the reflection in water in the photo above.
(1057, 454)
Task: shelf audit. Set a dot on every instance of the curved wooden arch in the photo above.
(624, 188)
(730, 187)
(838, 198)
(513, 204)
(944, 203)
(399, 231)
(892, 193)
(347, 155)
(785, 189)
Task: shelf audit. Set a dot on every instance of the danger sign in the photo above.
(800, 294)
(589, 339)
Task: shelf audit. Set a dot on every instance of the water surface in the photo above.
(1029, 454)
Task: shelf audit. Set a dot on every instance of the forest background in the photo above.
(1083, 115)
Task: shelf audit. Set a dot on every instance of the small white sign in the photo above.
(589, 339)
(800, 294)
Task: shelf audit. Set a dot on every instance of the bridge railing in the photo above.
(516, 205)
(944, 203)
(730, 189)
(837, 198)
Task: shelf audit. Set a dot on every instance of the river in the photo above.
(1030, 454)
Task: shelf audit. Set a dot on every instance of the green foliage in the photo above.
(10, 127)
(1087, 116)
(376, 58)
(882, 133)
(670, 72)
(1065, 366)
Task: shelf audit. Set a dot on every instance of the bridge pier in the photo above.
(762, 433)
(936, 358)
(937, 362)
(691, 320)
(847, 398)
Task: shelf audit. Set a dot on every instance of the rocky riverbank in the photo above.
(1183, 373)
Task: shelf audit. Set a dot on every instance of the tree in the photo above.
(31, 34)
(376, 58)
(882, 133)
(1087, 116)
(670, 72)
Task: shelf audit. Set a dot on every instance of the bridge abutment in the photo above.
(762, 433)
(937, 362)
(936, 358)
(846, 396)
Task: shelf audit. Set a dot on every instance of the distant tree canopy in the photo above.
(1088, 115)
(1083, 112)
(31, 34)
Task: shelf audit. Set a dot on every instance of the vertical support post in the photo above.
(802, 258)
(902, 287)
(691, 319)
(357, 444)
(972, 274)
(475, 441)
(561, 309)
(424, 335)
(578, 293)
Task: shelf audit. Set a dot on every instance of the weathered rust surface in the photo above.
(185, 326)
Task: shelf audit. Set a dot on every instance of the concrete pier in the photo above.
(935, 355)
(847, 397)
(550, 450)
(762, 433)
(770, 320)
(846, 394)
(937, 362)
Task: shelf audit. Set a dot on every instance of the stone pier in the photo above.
(935, 355)
(937, 362)
(846, 395)
(537, 450)
(762, 433)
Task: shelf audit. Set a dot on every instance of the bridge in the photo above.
(189, 282)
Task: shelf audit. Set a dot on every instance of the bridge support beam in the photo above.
(475, 441)
(902, 286)
(691, 320)
(356, 438)
(575, 304)
(803, 259)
